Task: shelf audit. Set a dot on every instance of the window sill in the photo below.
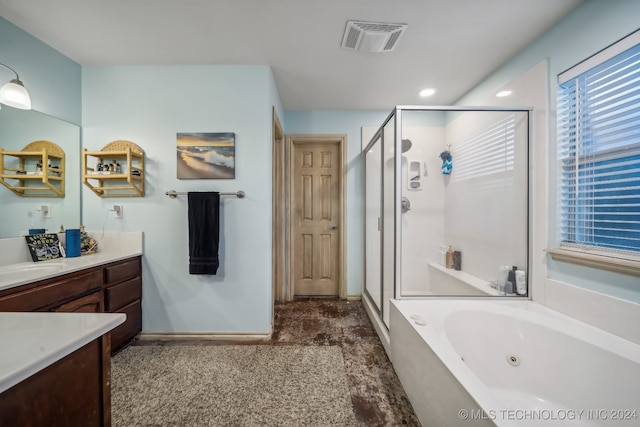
(603, 262)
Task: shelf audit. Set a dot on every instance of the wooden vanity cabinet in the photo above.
(111, 288)
(74, 391)
(52, 294)
(123, 294)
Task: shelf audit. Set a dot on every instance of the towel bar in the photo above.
(173, 194)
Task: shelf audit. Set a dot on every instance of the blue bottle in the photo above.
(72, 236)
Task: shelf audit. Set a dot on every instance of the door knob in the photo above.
(333, 227)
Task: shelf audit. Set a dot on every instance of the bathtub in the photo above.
(511, 363)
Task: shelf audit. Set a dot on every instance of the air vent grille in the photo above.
(353, 35)
(393, 38)
(372, 36)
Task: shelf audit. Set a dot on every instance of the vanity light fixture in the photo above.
(427, 92)
(14, 94)
(503, 93)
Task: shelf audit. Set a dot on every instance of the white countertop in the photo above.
(29, 342)
(111, 247)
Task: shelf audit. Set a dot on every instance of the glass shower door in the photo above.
(379, 218)
(373, 220)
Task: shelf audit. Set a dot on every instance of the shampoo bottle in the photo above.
(510, 288)
(521, 282)
(450, 257)
(511, 277)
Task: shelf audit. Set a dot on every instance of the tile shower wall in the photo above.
(422, 226)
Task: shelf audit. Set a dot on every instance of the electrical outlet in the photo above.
(117, 210)
(46, 210)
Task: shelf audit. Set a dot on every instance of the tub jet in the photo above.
(513, 360)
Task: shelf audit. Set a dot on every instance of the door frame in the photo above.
(278, 258)
(291, 141)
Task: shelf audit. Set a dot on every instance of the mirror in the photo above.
(17, 129)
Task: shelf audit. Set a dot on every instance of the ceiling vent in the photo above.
(372, 36)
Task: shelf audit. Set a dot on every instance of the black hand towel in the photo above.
(204, 232)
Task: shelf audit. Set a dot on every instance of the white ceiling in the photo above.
(449, 44)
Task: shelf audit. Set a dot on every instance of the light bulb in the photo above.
(15, 95)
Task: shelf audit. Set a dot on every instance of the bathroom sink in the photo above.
(18, 272)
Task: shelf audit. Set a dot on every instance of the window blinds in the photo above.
(490, 151)
(599, 156)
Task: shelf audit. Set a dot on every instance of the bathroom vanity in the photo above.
(114, 287)
(56, 368)
(60, 322)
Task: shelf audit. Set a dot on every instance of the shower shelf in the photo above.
(468, 279)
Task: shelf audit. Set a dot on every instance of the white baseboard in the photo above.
(204, 336)
(354, 297)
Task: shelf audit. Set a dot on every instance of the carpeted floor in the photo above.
(231, 385)
(324, 366)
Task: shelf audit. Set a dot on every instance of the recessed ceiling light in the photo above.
(503, 93)
(427, 92)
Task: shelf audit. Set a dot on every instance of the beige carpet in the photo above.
(230, 385)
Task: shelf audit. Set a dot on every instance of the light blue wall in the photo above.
(349, 123)
(590, 28)
(149, 105)
(54, 84)
(52, 79)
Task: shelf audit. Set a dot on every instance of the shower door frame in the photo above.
(396, 115)
(379, 135)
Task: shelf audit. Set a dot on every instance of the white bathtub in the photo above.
(511, 363)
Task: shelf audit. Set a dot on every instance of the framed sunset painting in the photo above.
(206, 155)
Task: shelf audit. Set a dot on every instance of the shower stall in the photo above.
(446, 202)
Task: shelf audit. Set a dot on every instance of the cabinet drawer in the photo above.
(91, 303)
(123, 293)
(122, 271)
(51, 294)
(122, 334)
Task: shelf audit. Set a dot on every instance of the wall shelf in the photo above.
(23, 179)
(127, 182)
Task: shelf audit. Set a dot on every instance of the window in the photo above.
(599, 153)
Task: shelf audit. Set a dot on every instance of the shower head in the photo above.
(406, 145)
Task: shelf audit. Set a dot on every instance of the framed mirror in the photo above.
(18, 128)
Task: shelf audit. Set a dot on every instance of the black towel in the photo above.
(204, 232)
